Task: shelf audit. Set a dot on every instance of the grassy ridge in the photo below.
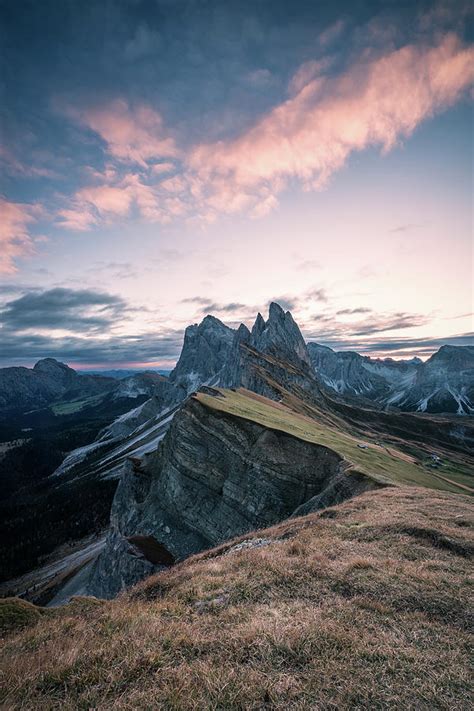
(385, 464)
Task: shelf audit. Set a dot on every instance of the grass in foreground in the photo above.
(364, 605)
(385, 464)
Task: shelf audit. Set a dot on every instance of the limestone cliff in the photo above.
(213, 477)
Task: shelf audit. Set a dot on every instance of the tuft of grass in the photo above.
(16, 613)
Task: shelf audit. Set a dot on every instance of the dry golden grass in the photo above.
(362, 606)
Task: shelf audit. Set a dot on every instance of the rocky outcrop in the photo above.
(205, 351)
(213, 477)
(280, 336)
(445, 383)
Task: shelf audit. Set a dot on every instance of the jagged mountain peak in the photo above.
(276, 311)
(205, 350)
(211, 321)
(259, 326)
(279, 334)
(242, 332)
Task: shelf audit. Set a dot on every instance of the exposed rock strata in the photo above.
(214, 477)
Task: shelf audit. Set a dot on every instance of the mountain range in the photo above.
(442, 384)
(252, 426)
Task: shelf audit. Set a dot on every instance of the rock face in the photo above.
(275, 347)
(146, 383)
(444, 384)
(205, 350)
(49, 380)
(279, 335)
(213, 477)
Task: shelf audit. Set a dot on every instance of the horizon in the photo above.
(162, 162)
(167, 366)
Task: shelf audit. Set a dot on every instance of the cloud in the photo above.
(317, 295)
(115, 196)
(208, 306)
(62, 309)
(405, 228)
(352, 312)
(399, 347)
(162, 347)
(15, 239)
(132, 135)
(370, 324)
(391, 323)
(376, 102)
(308, 265)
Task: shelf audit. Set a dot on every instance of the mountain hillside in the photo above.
(363, 605)
(49, 380)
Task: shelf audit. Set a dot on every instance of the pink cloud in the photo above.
(106, 202)
(106, 199)
(312, 134)
(378, 101)
(133, 136)
(15, 240)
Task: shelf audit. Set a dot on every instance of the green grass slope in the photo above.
(383, 463)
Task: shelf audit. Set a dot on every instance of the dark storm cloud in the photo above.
(82, 310)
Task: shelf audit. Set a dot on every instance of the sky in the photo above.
(165, 159)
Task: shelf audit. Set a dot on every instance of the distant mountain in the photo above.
(51, 381)
(121, 373)
(48, 381)
(443, 384)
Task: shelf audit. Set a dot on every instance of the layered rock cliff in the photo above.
(213, 477)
